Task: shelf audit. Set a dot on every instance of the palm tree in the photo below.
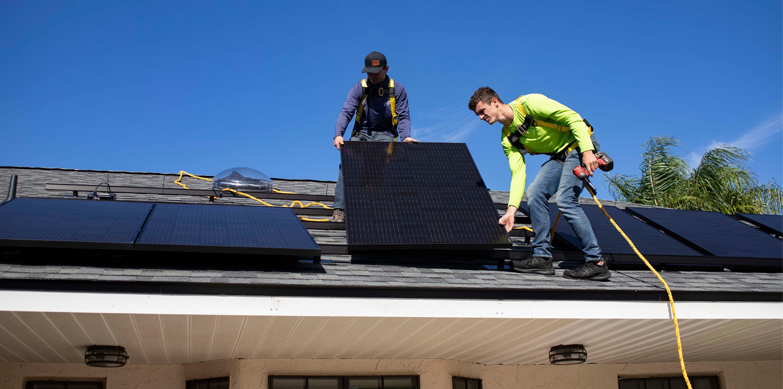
(722, 182)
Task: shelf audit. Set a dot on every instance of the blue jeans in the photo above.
(362, 135)
(558, 178)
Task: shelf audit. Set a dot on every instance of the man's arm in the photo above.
(403, 115)
(349, 108)
(516, 162)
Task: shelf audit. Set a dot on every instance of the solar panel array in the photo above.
(647, 239)
(113, 225)
(772, 223)
(77, 224)
(226, 229)
(715, 232)
(675, 236)
(415, 196)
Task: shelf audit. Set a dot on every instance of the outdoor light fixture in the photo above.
(105, 356)
(569, 354)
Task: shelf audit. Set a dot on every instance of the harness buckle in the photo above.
(522, 128)
(380, 92)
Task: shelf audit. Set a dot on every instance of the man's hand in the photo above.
(590, 162)
(410, 140)
(508, 219)
(339, 142)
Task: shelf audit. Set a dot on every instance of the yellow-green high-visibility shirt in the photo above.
(542, 140)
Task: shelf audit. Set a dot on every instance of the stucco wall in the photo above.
(434, 374)
(14, 375)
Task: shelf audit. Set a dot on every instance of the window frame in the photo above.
(715, 377)
(31, 384)
(343, 379)
(478, 380)
(193, 382)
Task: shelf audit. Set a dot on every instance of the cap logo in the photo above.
(376, 62)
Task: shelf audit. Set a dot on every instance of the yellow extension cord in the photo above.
(182, 172)
(665, 285)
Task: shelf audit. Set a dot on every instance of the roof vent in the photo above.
(242, 178)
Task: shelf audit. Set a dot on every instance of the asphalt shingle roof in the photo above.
(435, 272)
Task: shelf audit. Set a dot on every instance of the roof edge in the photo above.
(204, 289)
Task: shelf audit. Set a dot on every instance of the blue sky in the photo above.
(204, 86)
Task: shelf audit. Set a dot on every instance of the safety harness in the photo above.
(514, 137)
(381, 92)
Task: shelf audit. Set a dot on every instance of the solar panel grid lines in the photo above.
(426, 195)
(719, 234)
(78, 224)
(226, 229)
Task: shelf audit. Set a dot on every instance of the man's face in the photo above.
(488, 112)
(377, 78)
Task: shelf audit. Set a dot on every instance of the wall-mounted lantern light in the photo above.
(570, 354)
(105, 356)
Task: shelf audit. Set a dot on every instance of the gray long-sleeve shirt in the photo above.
(377, 114)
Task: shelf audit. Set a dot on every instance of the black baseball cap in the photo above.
(374, 62)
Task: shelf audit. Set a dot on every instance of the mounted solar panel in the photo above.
(652, 243)
(75, 224)
(417, 196)
(772, 224)
(226, 229)
(718, 234)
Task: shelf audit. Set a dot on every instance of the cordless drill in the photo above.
(605, 163)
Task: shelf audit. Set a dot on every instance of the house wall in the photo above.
(434, 374)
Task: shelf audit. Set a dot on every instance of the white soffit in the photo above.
(377, 307)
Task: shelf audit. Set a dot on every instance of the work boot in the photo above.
(538, 265)
(590, 271)
(338, 216)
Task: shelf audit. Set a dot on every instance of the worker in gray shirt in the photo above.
(381, 107)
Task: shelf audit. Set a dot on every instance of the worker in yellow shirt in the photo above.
(536, 124)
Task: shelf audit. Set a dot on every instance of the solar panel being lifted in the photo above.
(718, 234)
(75, 224)
(417, 196)
(226, 229)
(655, 245)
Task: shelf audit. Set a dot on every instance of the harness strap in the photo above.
(530, 121)
(392, 101)
(362, 103)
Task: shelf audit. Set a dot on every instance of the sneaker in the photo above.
(338, 216)
(538, 265)
(590, 271)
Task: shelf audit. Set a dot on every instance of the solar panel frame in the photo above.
(717, 233)
(226, 229)
(417, 196)
(71, 223)
(772, 224)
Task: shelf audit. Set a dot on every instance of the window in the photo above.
(211, 383)
(63, 385)
(465, 383)
(669, 383)
(392, 382)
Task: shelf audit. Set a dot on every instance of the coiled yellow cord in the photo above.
(178, 181)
